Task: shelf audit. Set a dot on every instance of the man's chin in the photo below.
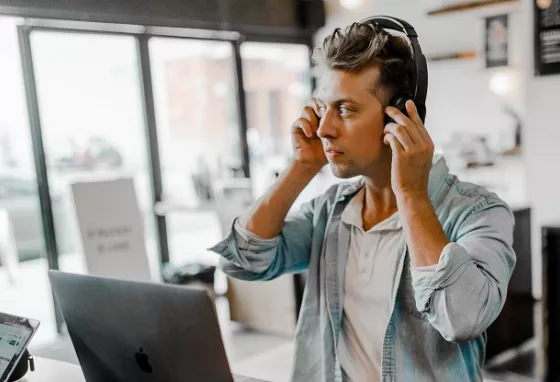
(341, 171)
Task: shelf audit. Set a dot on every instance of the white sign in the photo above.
(8, 249)
(111, 229)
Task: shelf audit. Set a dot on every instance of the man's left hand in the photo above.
(412, 149)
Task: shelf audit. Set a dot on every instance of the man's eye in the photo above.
(344, 110)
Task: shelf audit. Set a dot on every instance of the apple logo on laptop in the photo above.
(143, 361)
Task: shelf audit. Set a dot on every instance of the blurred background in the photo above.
(193, 100)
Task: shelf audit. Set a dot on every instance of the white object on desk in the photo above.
(112, 229)
(48, 370)
(8, 249)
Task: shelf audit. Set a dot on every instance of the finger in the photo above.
(401, 133)
(412, 112)
(392, 141)
(410, 126)
(415, 117)
(426, 136)
(398, 116)
(303, 125)
(420, 128)
(315, 106)
(309, 114)
(418, 133)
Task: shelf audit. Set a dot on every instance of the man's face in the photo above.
(351, 126)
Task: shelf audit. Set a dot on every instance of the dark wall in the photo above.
(550, 325)
(275, 16)
(515, 324)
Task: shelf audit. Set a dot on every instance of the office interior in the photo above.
(193, 102)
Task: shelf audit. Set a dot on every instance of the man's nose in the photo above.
(327, 126)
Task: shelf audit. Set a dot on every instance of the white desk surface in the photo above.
(48, 370)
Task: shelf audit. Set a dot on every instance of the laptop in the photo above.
(131, 331)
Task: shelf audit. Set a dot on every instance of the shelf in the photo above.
(467, 6)
(466, 55)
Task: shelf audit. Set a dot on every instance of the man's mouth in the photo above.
(332, 153)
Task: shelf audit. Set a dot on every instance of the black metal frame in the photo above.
(241, 106)
(151, 31)
(49, 235)
(152, 141)
(142, 36)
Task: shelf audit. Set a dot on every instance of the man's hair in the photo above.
(365, 45)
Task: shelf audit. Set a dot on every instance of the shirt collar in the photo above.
(352, 213)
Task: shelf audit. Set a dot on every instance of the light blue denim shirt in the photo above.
(438, 321)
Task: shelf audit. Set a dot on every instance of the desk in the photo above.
(48, 370)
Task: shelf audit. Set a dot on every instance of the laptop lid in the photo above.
(144, 332)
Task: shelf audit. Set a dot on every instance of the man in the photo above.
(408, 266)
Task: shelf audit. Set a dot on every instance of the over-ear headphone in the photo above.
(420, 79)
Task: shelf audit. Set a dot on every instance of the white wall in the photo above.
(542, 137)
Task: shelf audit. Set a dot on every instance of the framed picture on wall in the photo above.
(546, 37)
(496, 44)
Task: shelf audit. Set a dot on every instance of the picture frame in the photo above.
(546, 33)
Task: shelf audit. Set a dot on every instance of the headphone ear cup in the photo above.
(399, 102)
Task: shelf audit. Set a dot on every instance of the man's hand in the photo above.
(307, 146)
(412, 149)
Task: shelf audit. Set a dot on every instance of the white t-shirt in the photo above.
(373, 259)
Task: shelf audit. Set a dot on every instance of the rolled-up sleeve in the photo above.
(249, 257)
(468, 289)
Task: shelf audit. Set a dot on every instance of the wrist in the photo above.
(413, 198)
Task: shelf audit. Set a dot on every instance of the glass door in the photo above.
(198, 134)
(89, 94)
(277, 86)
(24, 286)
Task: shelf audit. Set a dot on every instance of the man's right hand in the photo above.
(266, 217)
(307, 146)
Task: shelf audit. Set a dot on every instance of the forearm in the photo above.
(265, 218)
(424, 234)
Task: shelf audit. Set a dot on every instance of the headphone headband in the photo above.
(421, 74)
